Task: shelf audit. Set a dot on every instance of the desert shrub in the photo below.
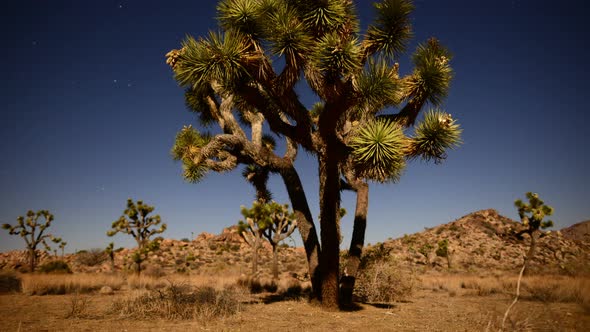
(180, 301)
(57, 266)
(45, 284)
(291, 289)
(482, 286)
(383, 280)
(92, 257)
(9, 282)
(78, 306)
(154, 271)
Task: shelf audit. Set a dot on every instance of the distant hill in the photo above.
(578, 232)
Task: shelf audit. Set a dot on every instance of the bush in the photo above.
(381, 278)
(180, 302)
(57, 266)
(9, 282)
(92, 257)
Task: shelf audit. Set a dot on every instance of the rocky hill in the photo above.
(483, 240)
(578, 232)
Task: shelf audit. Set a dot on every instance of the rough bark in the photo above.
(275, 262)
(305, 225)
(330, 240)
(32, 259)
(531, 252)
(255, 257)
(356, 243)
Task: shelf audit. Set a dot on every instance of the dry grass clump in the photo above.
(78, 306)
(43, 284)
(557, 289)
(384, 281)
(180, 301)
(256, 285)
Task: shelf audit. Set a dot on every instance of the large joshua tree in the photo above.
(359, 129)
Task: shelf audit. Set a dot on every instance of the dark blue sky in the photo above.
(89, 111)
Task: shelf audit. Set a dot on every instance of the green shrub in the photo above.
(57, 266)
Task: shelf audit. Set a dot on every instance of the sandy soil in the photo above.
(427, 310)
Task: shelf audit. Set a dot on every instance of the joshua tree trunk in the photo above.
(329, 209)
(32, 259)
(275, 262)
(255, 257)
(306, 227)
(531, 253)
(356, 244)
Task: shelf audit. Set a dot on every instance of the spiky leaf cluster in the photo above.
(378, 86)
(241, 15)
(187, 148)
(378, 150)
(432, 75)
(392, 29)
(437, 133)
(533, 213)
(289, 35)
(221, 57)
(336, 56)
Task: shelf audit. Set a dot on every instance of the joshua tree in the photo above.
(531, 215)
(110, 251)
(443, 250)
(230, 80)
(271, 221)
(136, 222)
(32, 230)
(62, 246)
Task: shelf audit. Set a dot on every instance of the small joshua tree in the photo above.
(271, 221)
(62, 246)
(443, 250)
(531, 215)
(110, 251)
(32, 230)
(136, 222)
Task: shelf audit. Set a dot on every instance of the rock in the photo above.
(106, 290)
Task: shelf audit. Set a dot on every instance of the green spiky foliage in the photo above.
(379, 151)
(33, 231)
(137, 222)
(392, 29)
(435, 135)
(186, 148)
(355, 129)
(270, 221)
